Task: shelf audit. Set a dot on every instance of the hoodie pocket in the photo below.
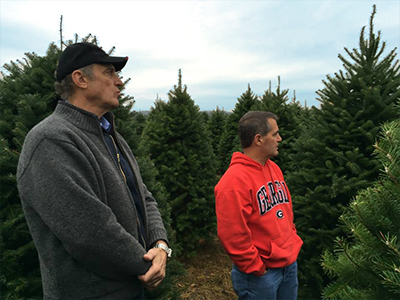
(282, 249)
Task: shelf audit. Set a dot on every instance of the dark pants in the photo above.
(139, 296)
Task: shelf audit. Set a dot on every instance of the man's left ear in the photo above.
(79, 79)
(258, 139)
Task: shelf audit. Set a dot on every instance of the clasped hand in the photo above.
(155, 275)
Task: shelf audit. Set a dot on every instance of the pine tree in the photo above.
(216, 126)
(180, 147)
(290, 114)
(125, 120)
(333, 158)
(130, 125)
(205, 116)
(229, 139)
(366, 263)
(26, 97)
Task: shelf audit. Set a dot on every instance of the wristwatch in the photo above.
(165, 248)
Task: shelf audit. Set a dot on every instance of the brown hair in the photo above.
(252, 123)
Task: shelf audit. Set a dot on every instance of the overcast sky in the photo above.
(221, 46)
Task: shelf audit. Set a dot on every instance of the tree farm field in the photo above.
(208, 275)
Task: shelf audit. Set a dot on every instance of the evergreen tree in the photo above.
(125, 120)
(216, 126)
(205, 116)
(130, 125)
(141, 120)
(366, 264)
(290, 114)
(333, 158)
(26, 97)
(229, 139)
(179, 145)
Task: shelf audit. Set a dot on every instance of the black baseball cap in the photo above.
(80, 55)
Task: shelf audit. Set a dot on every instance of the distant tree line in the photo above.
(341, 166)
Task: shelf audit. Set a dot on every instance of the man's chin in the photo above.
(114, 105)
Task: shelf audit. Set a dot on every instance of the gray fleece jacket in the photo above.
(79, 210)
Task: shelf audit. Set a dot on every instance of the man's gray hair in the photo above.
(252, 123)
(65, 88)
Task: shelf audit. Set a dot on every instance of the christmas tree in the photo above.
(178, 141)
(366, 263)
(229, 139)
(26, 97)
(215, 125)
(333, 156)
(290, 114)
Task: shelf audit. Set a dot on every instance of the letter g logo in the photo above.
(279, 214)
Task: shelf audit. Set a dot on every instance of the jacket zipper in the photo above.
(124, 176)
(118, 158)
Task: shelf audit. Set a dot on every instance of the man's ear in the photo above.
(79, 79)
(257, 139)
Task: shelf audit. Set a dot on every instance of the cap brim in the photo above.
(117, 61)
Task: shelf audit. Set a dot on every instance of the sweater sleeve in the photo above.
(233, 210)
(60, 192)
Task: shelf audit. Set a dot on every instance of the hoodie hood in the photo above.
(243, 159)
(238, 158)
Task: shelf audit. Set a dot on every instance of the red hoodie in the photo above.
(255, 216)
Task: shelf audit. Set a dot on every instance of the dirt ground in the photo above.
(208, 275)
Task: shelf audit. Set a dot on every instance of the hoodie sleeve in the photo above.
(233, 209)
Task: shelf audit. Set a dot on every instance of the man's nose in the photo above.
(118, 82)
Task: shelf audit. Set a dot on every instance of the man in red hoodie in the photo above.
(255, 215)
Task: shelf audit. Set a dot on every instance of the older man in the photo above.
(96, 227)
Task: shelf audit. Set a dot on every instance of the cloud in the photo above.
(221, 46)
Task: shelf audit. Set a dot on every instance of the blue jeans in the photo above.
(276, 284)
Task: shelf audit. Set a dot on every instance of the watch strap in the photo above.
(165, 248)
